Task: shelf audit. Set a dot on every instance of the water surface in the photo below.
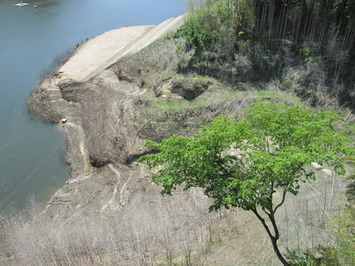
(31, 152)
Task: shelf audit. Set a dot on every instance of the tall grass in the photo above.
(145, 238)
(139, 235)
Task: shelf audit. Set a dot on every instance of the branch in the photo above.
(262, 220)
(282, 201)
(226, 170)
(218, 161)
(268, 213)
(274, 225)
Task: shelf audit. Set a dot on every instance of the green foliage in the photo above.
(344, 228)
(343, 252)
(210, 27)
(304, 50)
(326, 256)
(277, 35)
(346, 236)
(215, 27)
(318, 257)
(298, 258)
(243, 163)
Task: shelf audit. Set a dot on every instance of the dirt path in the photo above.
(82, 147)
(118, 176)
(100, 52)
(120, 193)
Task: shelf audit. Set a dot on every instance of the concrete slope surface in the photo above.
(100, 52)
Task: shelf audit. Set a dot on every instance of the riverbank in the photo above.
(51, 97)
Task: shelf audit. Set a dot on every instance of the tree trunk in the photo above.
(277, 251)
(272, 237)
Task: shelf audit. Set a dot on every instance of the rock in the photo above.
(316, 166)
(328, 172)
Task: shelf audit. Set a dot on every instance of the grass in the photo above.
(204, 78)
(219, 94)
(169, 105)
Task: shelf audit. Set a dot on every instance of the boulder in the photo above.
(316, 166)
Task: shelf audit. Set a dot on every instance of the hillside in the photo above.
(110, 212)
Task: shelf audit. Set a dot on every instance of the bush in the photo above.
(216, 26)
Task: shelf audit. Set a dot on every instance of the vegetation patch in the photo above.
(244, 41)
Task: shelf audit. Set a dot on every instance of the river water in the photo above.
(31, 152)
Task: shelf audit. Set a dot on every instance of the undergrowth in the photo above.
(258, 41)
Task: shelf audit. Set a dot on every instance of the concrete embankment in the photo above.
(100, 52)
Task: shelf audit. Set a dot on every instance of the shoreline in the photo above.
(53, 109)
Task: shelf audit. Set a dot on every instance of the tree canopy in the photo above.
(244, 163)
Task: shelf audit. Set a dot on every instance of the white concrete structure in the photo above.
(100, 52)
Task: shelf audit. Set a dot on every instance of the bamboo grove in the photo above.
(312, 20)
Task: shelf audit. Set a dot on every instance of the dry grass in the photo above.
(159, 237)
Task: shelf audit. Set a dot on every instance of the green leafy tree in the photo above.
(252, 163)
